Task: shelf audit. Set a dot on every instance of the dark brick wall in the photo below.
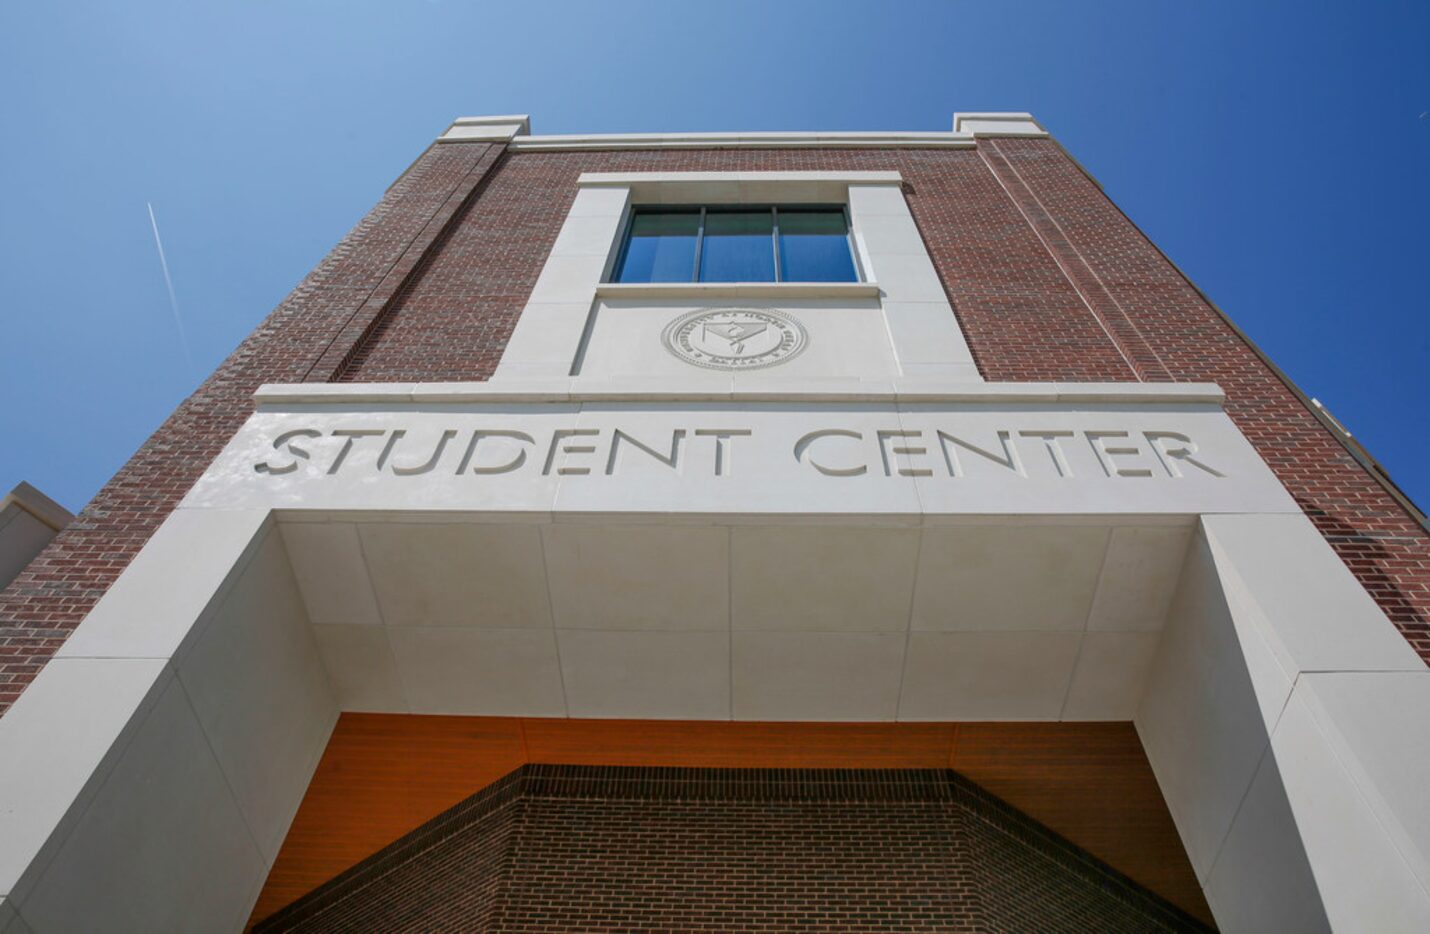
(580, 848)
(448, 874)
(1048, 279)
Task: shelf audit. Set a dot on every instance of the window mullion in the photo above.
(775, 238)
(620, 265)
(853, 248)
(699, 244)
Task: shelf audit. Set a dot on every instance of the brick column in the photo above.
(1383, 545)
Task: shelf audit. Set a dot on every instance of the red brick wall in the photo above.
(1048, 279)
(1386, 549)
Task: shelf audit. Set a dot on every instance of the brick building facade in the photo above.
(1048, 295)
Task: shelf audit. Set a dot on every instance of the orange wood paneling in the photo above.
(1092, 783)
(715, 744)
(383, 775)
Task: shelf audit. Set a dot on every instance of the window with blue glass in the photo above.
(794, 243)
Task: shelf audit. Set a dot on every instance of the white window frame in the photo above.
(889, 253)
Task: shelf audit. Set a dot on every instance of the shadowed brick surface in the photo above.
(580, 848)
(1047, 277)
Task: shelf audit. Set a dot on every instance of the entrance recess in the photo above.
(1006, 553)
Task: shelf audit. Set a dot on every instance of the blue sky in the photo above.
(1279, 152)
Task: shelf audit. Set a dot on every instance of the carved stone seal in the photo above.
(735, 338)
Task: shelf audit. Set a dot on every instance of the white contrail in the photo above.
(173, 302)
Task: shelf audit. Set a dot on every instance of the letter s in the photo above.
(284, 440)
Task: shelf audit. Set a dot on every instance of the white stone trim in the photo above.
(515, 129)
(1133, 455)
(636, 179)
(486, 129)
(737, 187)
(29, 521)
(26, 497)
(700, 291)
(967, 128)
(579, 389)
(997, 124)
(894, 265)
(914, 140)
(153, 674)
(1277, 719)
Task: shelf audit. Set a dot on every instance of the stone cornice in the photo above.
(515, 129)
(742, 388)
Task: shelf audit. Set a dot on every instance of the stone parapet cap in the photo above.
(515, 129)
(486, 129)
(37, 504)
(997, 124)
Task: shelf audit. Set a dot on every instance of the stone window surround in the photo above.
(893, 262)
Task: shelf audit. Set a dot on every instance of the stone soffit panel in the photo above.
(1035, 621)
